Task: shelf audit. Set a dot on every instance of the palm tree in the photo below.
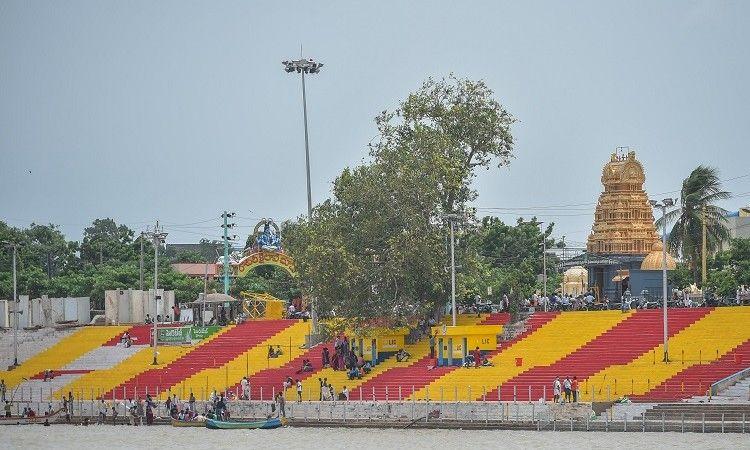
(699, 193)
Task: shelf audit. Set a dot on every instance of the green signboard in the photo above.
(200, 333)
(185, 335)
(174, 335)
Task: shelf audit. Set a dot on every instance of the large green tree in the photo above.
(378, 247)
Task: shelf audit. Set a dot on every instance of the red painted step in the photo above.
(214, 353)
(140, 334)
(696, 380)
(621, 344)
(267, 381)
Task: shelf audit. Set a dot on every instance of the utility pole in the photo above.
(158, 237)
(563, 258)
(451, 218)
(226, 226)
(704, 249)
(16, 312)
(544, 265)
(141, 263)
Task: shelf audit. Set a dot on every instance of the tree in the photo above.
(513, 256)
(378, 247)
(104, 240)
(699, 193)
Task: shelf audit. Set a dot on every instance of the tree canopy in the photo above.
(378, 247)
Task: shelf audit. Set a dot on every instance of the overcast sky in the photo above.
(177, 110)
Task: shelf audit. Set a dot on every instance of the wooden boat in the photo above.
(241, 425)
(188, 423)
(17, 420)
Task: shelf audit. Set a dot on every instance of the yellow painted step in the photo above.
(551, 342)
(62, 353)
(715, 334)
(102, 381)
(249, 362)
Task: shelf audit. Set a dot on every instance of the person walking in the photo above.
(556, 388)
(245, 383)
(575, 389)
(299, 391)
(191, 403)
(149, 410)
(477, 357)
(567, 386)
(3, 390)
(102, 412)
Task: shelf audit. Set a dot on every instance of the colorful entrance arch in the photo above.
(263, 258)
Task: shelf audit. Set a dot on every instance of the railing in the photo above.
(490, 414)
(730, 380)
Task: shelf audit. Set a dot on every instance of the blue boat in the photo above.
(244, 425)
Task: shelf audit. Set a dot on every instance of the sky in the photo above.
(179, 110)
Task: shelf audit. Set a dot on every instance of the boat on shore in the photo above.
(246, 425)
(188, 423)
(19, 420)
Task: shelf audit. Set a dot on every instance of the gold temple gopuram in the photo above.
(623, 236)
(624, 221)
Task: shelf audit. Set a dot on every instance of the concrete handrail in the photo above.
(728, 381)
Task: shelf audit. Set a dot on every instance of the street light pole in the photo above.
(663, 205)
(15, 309)
(158, 237)
(451, 219)
(306, 66)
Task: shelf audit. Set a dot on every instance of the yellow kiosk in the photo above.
(377, 344)
(455, 343)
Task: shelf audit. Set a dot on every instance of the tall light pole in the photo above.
(158, 236)
(663, 205)
(306, 66)
(16, 312)
(451, 219)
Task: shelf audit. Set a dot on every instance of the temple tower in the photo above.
(624, 221)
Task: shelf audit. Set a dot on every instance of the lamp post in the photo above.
(306, 66)
(451, 219)
(663, 205)
(158, 236)
(16, 312)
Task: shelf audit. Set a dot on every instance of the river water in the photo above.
(95, 437)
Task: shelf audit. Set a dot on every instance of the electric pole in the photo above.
(451, 219)
(141, 263)
(704, 249)
(16, 312)
(225, 265)
(158, 237)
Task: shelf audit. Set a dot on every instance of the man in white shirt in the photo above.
(245, 388)
(299, 391)
(556, 387)
(345, 392)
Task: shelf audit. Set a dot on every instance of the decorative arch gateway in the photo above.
(257, 258)
(265, 251)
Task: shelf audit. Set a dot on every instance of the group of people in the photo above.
(566, 302)
(565, 391)
(328, 393)
(275, 352)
